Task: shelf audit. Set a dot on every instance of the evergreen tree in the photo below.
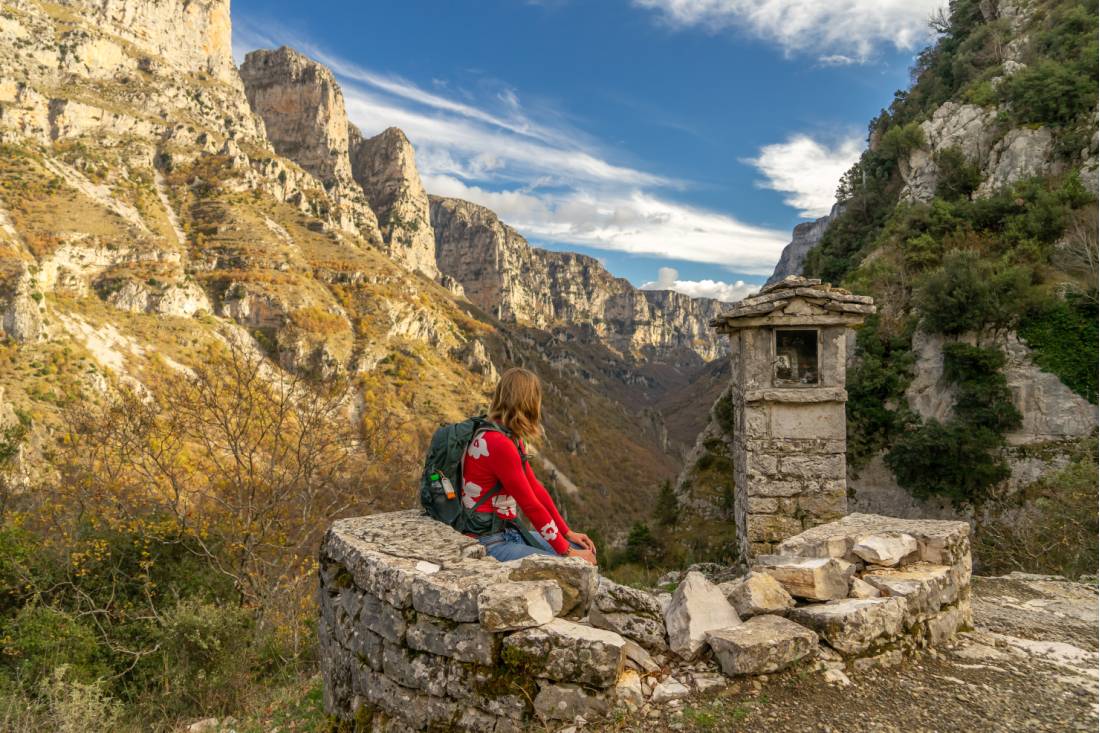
(667, 510)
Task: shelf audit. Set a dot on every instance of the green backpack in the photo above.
(441, 483)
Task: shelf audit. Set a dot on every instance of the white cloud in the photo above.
(668, 279)
(807, 171)
(631, 220)
(539, 173)
(853, 28)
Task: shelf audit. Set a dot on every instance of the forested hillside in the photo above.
(972, 220)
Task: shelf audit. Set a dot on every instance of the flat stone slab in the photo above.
(464, 642)
(925, 587)
(938, 541)
(813, 578)
(566, 651)
(854, 625)
(761, 645)
(576, 578)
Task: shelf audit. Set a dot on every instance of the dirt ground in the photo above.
(1030, 664)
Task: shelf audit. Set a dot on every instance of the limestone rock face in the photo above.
(761, 645)
(567, 651)
(967, 127)
(1021, 153)
(697, 608)
(804, 238)
(1050, 410)
(385, 167)
(503, 275)
(757, 593)
(193, 35)
(303, 111)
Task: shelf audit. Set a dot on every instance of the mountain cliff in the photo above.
(804, 238)
(501, 273)
(155, 204)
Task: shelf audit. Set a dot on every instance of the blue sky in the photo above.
(689, 135)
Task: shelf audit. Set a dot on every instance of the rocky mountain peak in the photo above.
(385, 167)
(303, 109)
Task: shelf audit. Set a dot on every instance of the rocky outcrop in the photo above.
(194, 35)
(966, 127)
(1050, 410)
(385, 167)
(804, 238)
(502, 274)
(303, 111)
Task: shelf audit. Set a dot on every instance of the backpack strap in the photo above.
(485, 426)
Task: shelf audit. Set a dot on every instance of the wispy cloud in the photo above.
(807, 171)
(540, 173)
(849, 28)
(668, 278)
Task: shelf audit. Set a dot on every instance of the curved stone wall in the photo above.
(420, 630)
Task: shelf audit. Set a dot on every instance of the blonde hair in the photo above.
(517, 404)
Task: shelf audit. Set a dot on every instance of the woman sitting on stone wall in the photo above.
(495, 458)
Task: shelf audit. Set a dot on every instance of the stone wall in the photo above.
(419, 630)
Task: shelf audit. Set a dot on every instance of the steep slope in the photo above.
(505, 276)
(148, 214)
(971, 219)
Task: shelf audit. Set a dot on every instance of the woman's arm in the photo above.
(544, 497)
(506, 465)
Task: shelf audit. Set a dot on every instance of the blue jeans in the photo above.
(509, 545)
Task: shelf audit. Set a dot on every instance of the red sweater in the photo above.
(492, 458)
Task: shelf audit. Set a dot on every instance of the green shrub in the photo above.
(900, 139)
(667, 509)
(956, 176)
(953, 460)
(38, 639)
(877, 409)
(1062, 332)
(1049, 93)
(982, 397)
(969, 293)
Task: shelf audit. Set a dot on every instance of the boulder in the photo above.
(669, 690)
(862, 589)
(813, 578)
(565, 701)
(511, 606)
(576, 578)
(697, 607)
(854, 625)
(755, 594)
(568, 652)
(761, 645)
(886, 549)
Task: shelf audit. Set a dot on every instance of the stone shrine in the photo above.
(788, 354)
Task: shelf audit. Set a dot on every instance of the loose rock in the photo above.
(761, 645)
(697, 607)
(818, 579)
(513, 606)
(757, 593)
(887, 550)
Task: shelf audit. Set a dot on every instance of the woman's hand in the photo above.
(580, 538)
(587, 555)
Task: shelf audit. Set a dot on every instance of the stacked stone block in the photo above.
(789, 439)
(420, 630)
